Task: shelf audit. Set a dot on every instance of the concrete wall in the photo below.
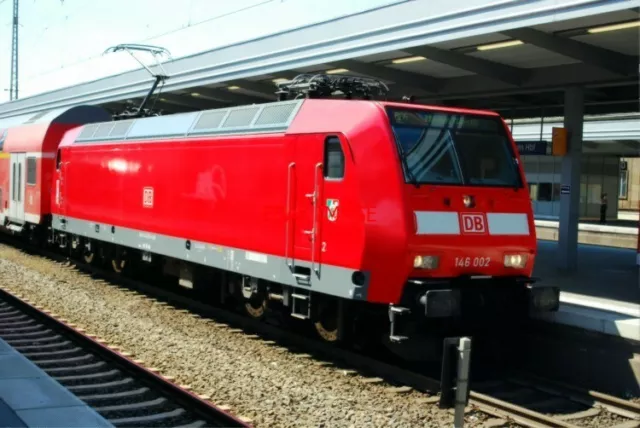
(599, 175)
(630, 199)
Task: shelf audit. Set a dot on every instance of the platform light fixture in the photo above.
(408, 59)
(233, 88)
(500, 45)
(195, 94)
(614, 27)
(337, 71)
(280, 80)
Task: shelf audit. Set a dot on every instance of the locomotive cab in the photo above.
(471, 238)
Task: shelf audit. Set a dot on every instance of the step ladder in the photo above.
(394, 313)
(301, 305)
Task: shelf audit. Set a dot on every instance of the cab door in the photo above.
(17, 187)
(60, 184)
(336, 213)
(305, 183)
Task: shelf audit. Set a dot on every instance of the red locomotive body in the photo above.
(28, 146)
(423, 209)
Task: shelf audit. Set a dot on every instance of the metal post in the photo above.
(458, 388)
(638, 255)
(462, 382)
(13, 88)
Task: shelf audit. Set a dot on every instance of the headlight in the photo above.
(517, 261)
(426, 262)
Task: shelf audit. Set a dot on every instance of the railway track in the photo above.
(122, 391)
(536, 402)
(521, 400)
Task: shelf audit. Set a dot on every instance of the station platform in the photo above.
(603, 295)
(621, 233)
(30, 398)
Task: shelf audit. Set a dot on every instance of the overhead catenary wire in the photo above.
(162, 34)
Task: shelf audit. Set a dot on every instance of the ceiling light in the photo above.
(163, 99)
(280, 80)
(500, 45)
(195, 94)
(408, 59)
(614, 27)
(233, 88)
(337, 71)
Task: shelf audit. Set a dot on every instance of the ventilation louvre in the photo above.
(88, 131)
(120, 129)
(275, 114)
(240, 118)
(257, 118)
(210, 119)
(103, 130)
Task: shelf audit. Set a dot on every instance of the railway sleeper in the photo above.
(123, 395)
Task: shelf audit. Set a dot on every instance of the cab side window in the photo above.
(333, 159)
(58, 159)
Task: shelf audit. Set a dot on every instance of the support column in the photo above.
(638, 255)
(571, 163)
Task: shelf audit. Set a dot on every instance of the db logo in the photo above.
(473, 223)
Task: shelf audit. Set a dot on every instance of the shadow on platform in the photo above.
(603, 272)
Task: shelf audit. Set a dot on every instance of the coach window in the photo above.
(333, 159)
(31, 171)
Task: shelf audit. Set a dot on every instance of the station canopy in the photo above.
(521, 71)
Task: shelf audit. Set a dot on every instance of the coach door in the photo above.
(305, 184)
(17, 187)
(60, 184)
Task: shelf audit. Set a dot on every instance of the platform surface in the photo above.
(31, 398)
(618, 233)
(602, 295)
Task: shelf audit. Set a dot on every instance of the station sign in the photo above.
(533, 148)
(556, 147)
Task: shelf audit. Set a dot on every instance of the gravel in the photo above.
(267, 385)
(604, 419)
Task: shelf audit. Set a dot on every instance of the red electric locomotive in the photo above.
(331, 209)
(28, 145)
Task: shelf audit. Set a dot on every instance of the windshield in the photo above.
(449, 148)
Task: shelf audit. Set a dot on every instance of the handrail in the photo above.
(288, 231)
(316, 196)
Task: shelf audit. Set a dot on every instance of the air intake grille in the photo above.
(268, 117)
(240, 118)
(103, 130)
(88, 132)
(210, 119)
(275, 114)
(120, 129)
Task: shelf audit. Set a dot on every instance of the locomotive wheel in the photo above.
(256, 305)
(119, 260)
(88, 257)
(118, 265)
(326, 323)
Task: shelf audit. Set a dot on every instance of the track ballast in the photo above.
(119, 389)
